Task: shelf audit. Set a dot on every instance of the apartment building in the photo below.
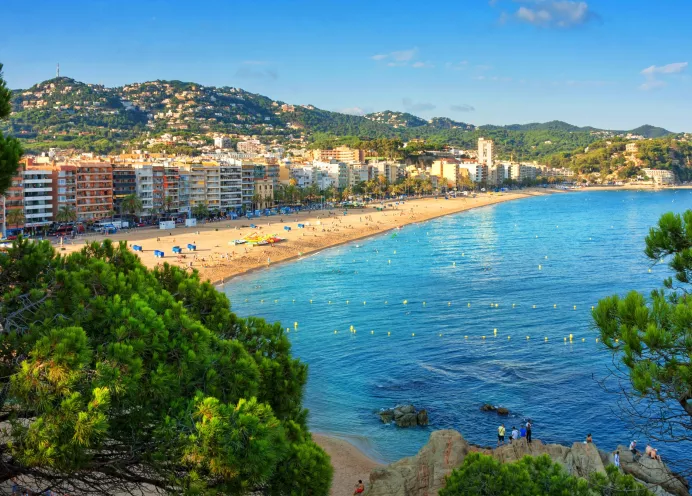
(447, 172)
(38, 196)
(338, 171)
(486, 152)
(124, 184)
(340, 154)
(389, 170)
(264, 193)
(64, 181)
(358, 173)
(144, 175)
(478, 173)
(171, 187)
(660, 176)
(94, 190)
(251, 146)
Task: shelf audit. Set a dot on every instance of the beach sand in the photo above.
(218, 261)
(350, 464)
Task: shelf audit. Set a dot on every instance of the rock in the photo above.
(422, 417)
(650, 471)
(386, 416)
(404, 416)
(424, 474)
(406, 420)
(488, 408)
(502, 411)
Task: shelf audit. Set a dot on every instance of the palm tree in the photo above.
(169, 203)
(15, 217)
(256, 198)
(66, 213)
(131, 204)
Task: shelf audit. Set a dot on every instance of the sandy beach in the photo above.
(350, 464)
(217, 259)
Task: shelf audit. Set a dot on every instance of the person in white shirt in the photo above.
(616, 459)
(515, 434)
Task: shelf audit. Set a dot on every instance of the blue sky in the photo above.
(608, 63)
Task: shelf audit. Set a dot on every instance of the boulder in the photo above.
(652, 472)
(386, 416)
(423, 474)
(502, 411)
(406, 420)
(403, 410)
(422, 417)
(488, 408)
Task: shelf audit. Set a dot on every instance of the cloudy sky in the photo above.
(608, 63)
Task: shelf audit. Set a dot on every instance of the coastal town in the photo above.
(59, 188)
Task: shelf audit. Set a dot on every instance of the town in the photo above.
(55, 187)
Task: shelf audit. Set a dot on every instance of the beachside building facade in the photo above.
(660, 176)
(486, 152)
(340, 154)
(37, 186)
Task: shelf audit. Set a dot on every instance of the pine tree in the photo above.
(10, 149)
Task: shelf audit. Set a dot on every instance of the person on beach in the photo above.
(360, 487)
(501, 434)
(528, 431)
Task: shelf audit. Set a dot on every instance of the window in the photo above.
(62, 198)
(62, 190)
(61, 182)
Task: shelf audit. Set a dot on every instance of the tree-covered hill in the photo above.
(65, 113)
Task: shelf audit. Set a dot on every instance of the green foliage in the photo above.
(10, 148)
(653, 337)
(117, 376)
(483, 475)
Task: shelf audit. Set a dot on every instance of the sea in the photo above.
(492, 305)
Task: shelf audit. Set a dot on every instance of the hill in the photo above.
(651, 131)
(65, 113)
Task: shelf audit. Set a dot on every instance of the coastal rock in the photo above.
(424, 474)
(404, 416)
(422, 417)
(406, 420)
(502, 411)
(652, 472)
(488, 408)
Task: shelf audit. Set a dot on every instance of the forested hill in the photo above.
(66, 113)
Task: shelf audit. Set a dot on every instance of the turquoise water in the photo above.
(588, 245)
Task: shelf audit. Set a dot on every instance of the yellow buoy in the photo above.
(617, 340)
(575, 307)
(534, 306)
(246, 300)
(440, 334)
(592, 307)
(546, 338)
(413, 334)
(372, 332)
(462, 254)
(540, 268)
(261, 301)
(310, 301)
(554, 306)
(527, 338)
(494, 331)
(466, 337)
(565, 340)
(570, 337)
(389, 261)
(649, 271)
(389, 333)
(385, 302)
(335, 332)
(330, 302)
(347, 302)
(583, 340)
(513, 305)
(423, 303)
(497, 305)
(454, 264)
(483, 337)
(546, 257)
(363, 303)
(405, 302)
(449, 303)
(293, 301)
(508, 337)
(597, 340)
(469, 305)
(395, 252)
(276, 301)
(295, 324)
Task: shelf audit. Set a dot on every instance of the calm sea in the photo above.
(463, 277)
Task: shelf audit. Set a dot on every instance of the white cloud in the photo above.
(553, 13)
(353, 111)
(653, 72)
(422, 65)
(457, 66)
(673, 68)
(397, 57)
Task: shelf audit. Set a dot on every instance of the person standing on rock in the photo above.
(515, 434)
(528, 431)
(501, 434)
(616, 459)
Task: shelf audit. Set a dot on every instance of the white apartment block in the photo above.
(251, 146)
(477, 172)
(660, 176)
(358, 173)
(486, 152)
(338, 171)
(389, 170)
(38, 197)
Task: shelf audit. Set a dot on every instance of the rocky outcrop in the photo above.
(404, 416)
(500, 410)
(424, 474)
(652, 473)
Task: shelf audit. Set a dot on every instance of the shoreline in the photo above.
(324, 229)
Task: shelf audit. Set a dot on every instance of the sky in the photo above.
(611, 64)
